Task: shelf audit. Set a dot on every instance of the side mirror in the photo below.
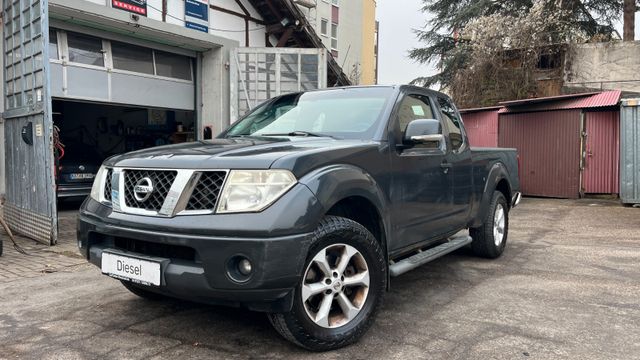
(424, 131)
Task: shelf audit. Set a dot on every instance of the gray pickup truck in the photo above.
(303, 209)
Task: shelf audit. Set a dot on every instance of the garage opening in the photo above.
(89, 132)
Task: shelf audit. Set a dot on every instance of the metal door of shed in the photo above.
(258, 74)
(602, 152)
(549, 147)
(630, 151)
(30, 185)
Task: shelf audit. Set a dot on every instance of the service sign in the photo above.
(196, 15)
(135, 6)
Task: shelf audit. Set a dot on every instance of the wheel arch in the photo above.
(343, 189)
(498, 179)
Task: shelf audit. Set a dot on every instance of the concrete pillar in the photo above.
(214, 97)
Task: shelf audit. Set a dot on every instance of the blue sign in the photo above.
(195, 26)
(196, 15)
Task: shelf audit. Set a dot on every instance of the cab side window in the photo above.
(414, 107)
(453, 123)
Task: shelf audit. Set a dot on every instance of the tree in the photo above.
(448, 43)
(630, 9)
(501, 67)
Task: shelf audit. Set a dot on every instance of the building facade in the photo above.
(87, 79)
(348, 28)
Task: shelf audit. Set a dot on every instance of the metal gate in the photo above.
(549, 147)
(30, 185)
(602, 152)
(258, 74)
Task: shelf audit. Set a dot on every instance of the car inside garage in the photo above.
(88, 133)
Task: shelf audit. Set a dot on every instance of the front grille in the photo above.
(107, 185)
(161, 182)
(167, 251)
(205, 194)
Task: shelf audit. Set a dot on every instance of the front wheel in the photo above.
(490, 239)
(341, 291)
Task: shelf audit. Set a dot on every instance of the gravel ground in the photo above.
(567, 287)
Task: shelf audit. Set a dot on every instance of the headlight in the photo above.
(98, 185)
(254, 190)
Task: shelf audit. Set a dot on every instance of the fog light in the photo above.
(244, 267)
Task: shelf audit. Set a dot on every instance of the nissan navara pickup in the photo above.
(303, 209)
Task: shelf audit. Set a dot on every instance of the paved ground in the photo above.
(567, 287)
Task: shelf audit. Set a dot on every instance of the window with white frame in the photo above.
(172, 65)
(53, 45)
(334, 2)
(132, 58)
(88, 50)
(85, 49)
(324, 25)
(334, 36)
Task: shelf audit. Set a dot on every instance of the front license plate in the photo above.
(131, 269)
(81, 176)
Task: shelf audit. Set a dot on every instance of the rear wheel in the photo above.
(490, 239)
(341, 290)
(143, 293)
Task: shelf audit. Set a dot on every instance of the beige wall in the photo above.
(368, 64)
(356, 36)
(604, 66)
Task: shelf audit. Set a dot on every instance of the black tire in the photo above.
(143, 293)
(484, 241)
(1, 247)
(297, 326)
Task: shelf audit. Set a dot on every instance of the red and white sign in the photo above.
(134, 6)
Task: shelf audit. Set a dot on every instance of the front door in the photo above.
(421, 191)
(602, 153)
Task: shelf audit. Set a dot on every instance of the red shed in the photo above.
(568, 145)
(481, 125)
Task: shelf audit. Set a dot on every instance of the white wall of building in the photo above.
(220, 23)
(349, 31)
(612, 65)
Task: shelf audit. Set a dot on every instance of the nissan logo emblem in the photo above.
(143, 189)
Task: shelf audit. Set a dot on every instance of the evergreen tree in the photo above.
(444, 47)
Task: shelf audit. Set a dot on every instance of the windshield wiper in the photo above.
(301, 133)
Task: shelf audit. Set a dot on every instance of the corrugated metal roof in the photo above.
(564, 102)
(488, 108)
(545, 99)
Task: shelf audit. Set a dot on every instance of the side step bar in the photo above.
(426, 256)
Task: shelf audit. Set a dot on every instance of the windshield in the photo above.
(352, 113)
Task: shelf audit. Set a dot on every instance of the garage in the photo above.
(109, 97)
(580, 132)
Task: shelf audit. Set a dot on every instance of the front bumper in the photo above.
(76, 190)
(195, 261)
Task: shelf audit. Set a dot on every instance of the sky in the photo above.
(397, 19)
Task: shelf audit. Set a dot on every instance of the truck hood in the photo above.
(240, 153)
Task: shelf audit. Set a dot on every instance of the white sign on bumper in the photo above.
(131, 269)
